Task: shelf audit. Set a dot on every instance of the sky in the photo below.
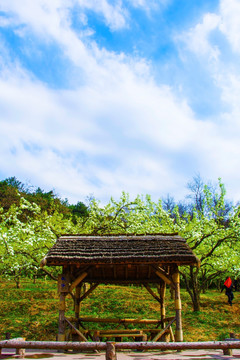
(99, 97)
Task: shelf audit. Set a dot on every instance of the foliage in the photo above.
(138, 216)
(26, 234)
(214, 237)
(10, 189)
(211, 228)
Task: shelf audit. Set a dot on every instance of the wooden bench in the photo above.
(158, 334)
(145, 334)
(138, 335)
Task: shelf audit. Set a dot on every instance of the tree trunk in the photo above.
(193, 287)
(17, 281)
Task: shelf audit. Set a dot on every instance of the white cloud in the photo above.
(226, 21)
(115, 15)
(230, 22)
(82, 139)
(197, 39)
(118, 130)
(99, 140)
(148, 5)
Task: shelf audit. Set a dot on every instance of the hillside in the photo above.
(32, 310)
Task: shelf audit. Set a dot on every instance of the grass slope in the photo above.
(32, 310)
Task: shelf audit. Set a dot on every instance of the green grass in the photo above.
(32, 310)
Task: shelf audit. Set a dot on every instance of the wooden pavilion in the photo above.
(120, 259)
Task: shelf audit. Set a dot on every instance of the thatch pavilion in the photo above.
(120, 259)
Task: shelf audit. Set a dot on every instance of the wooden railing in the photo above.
(155, 334)
(110, 347)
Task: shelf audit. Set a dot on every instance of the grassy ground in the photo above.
(32, 310)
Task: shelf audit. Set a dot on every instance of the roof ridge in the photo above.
(123, 234)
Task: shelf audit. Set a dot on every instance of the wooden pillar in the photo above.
(61, 318)
(63, 290)
(162, 293)
(77, 304)
(178, 306)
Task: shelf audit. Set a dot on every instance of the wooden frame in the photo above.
(169, 275)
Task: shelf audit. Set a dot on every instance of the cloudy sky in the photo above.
(104, 96)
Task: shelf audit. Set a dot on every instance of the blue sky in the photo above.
(100, 97)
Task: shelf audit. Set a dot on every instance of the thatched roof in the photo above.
(120, 249)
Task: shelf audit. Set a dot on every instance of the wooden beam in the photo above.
(172, 337)
(164, 276)
(78, 280)
(151, 292)
(116, 332)
(121, 321)
(93, 287)
(82, 337)
(157, 337)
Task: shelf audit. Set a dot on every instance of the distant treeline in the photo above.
(49, 201)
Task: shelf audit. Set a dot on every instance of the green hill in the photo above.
(32, 310)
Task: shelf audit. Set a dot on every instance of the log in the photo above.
(52, 345)
(64, 345)
(178, 345)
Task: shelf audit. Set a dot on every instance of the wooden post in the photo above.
(111, 351)
(162, 293)
(63, 289)
(75, 337)
(229, 351)
(178, 306)
(77, 304)
(61, 318)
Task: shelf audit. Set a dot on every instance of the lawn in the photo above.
(32, 310)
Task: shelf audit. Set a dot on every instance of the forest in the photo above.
(32, 219)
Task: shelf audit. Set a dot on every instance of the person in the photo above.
(228, 286)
